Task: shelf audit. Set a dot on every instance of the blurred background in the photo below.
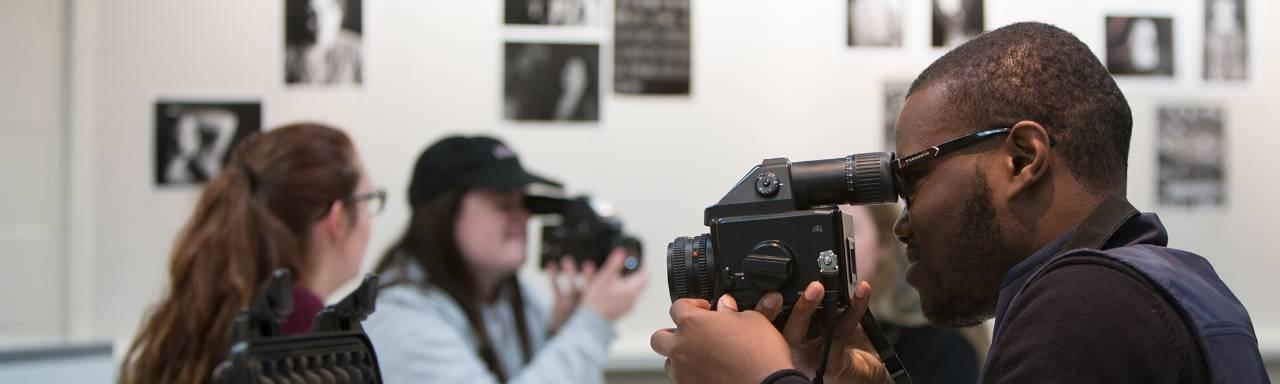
(658, 110)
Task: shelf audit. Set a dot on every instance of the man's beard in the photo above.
(968, 286)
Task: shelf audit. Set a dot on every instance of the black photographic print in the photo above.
(552, 12)
(875, 23)
(651, 53)
(956, 21)
(1191, 148)
(1140, 46)
(551, 82)
(1226, 46)
(323, 42)
(194, 139)
(895, 96)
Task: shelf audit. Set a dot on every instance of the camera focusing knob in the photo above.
(769, 266)
(827, 262)
(768, 185)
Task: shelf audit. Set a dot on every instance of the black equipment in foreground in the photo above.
(335, 351)
(777, 230)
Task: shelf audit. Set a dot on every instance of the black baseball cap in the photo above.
(468, 162)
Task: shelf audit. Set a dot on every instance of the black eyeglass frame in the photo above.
(378, 195)
(901, 163)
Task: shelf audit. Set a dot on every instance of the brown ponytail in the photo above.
(252, 219)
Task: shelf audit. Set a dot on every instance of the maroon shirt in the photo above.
(305, 307)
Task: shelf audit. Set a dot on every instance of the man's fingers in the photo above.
(797, 326)
(727, 304)
(663, 341)
(850, 321)
(770, 305)
(683, 308)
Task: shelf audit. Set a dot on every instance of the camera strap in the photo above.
(888, 356)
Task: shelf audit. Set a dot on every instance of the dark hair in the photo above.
(1039, 72)
(253, 218)
(429, 243)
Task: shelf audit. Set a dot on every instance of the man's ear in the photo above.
(1029, 157)
(335, 223)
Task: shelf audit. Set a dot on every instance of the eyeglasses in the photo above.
(902, 163)
(377, 199)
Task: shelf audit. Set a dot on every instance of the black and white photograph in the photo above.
(1140, 46)
(1226, 46)
(551, 82)
(195, 138)
(1191, 150)
(895, 95)
(552, 12)
(875, 23)
(323, 43)
(651, 52)
(956, 21)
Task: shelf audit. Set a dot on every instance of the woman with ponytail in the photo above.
(296, 197)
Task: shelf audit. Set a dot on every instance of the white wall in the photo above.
(32, 172)
(770, 78)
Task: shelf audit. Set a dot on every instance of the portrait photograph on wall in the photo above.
(194, 139)
(895, 96)
(651, 52)
(956, 21)
(551, 82)
(323, 43)
(1140, 46)
(1191, 154)
(552, 12)
(1226, 43)
(875, 23)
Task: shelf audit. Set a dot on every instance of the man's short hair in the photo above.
(1039, 72)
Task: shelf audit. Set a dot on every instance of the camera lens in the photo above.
(689, 264)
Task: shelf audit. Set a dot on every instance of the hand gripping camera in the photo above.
(778, 229)
(584, 228)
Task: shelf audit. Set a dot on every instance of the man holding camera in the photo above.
(1013, 151)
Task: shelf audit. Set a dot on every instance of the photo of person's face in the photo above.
(1226, 45)
(552, 12)
(956, 21)
(1140, 46)
(195, 139)
(323, 42)
(551, 82)
(325, 20)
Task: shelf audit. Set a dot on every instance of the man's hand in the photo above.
(722, 346)
(853, 359)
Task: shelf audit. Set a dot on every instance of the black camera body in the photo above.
(584, 229)
(779, 229)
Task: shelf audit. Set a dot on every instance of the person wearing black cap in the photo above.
(451, 308)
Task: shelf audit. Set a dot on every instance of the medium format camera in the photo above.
(584, 229)
(778, 229)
